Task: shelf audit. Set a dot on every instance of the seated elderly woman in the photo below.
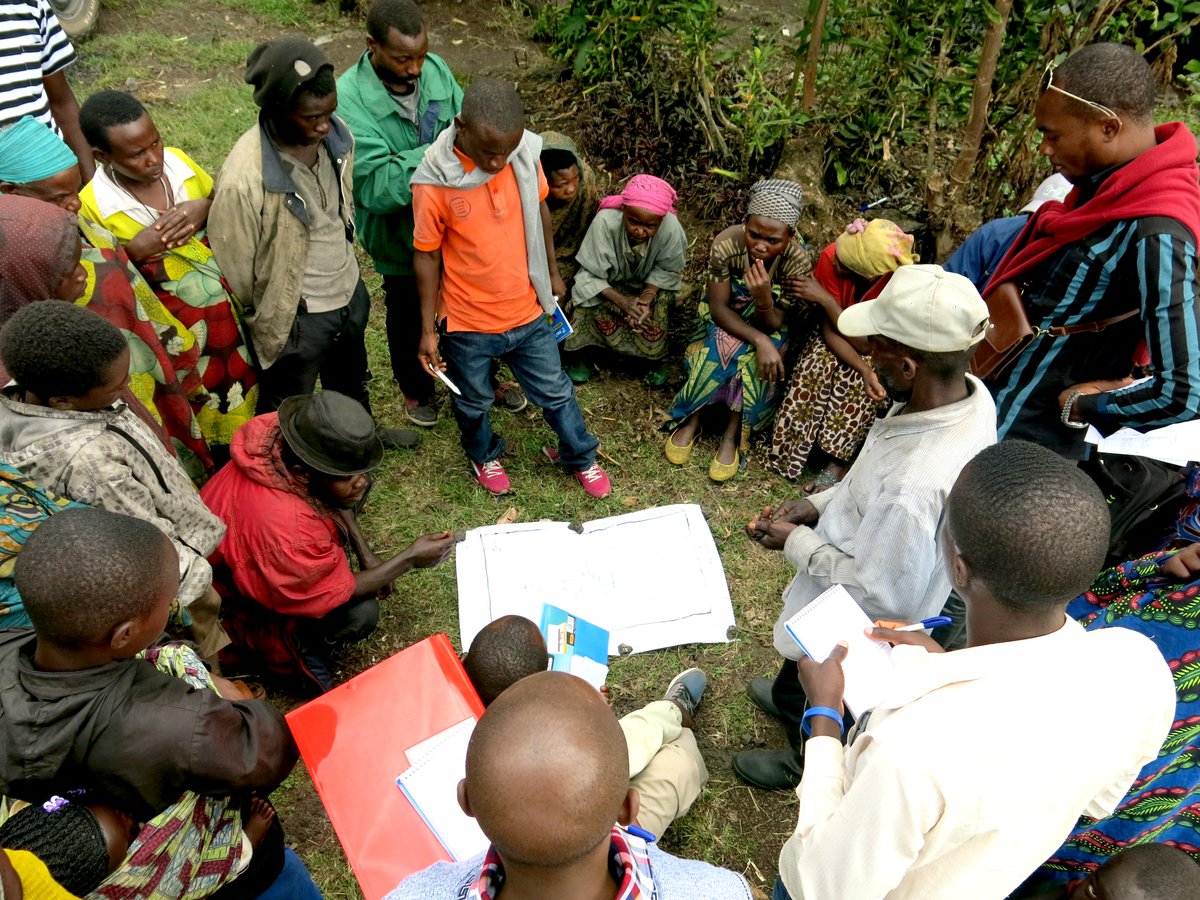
(630, 264)
(164, 353)
(155, 200)
(833, 395)
(736, 361)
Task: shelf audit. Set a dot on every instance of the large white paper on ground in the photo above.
(652, 578)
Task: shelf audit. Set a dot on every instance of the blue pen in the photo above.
(642, 833)
(935, 622)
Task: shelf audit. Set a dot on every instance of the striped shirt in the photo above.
(878, 534)
(1148, 263)
(33, 46)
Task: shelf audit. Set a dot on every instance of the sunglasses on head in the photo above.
(1049, 85)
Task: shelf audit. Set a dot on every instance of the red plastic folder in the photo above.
(353, 742)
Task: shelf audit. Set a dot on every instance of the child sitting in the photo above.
(554, 802)
(61, 425)
(572, 201)
(78, 712)
(665, 765)
(630, 264)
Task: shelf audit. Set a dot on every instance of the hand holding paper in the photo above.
(825, 682)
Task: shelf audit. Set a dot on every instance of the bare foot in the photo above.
(258, 820)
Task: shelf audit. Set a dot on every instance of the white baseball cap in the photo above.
(923, 307)
(1056, 187)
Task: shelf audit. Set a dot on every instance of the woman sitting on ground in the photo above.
(35, 163)
(833, 395)
(574, 196)
(630, 264)
(155, 200)
(736, 359)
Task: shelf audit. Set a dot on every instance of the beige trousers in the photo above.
(664, 764)
(206, 628)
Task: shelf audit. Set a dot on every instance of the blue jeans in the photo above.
(532, 354)
(780, 892)
(293, 883)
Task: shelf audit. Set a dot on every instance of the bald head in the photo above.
(547, 770)
(1144, 872)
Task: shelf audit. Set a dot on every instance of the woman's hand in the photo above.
(758, 282)
(870, 381)
(770, 363)
(808, 289)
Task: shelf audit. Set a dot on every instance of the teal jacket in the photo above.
(387, 149)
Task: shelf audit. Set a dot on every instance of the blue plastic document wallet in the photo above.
(431, 786)
(575, 645)
(560, 324)
(832, 617)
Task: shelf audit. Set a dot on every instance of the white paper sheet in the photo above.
(832, 617)
(653, 578)
(430, 783)
(1175, 444)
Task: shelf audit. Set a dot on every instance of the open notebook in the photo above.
(832, 617)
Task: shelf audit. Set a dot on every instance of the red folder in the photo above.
(353, 742)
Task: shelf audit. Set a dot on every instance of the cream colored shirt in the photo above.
(976, 766)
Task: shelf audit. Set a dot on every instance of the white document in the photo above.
(653, 578)
(1175, 444)
(832, 617)
(436, 766)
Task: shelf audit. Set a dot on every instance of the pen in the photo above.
(446, 381)
(642, 833)
(935, 622)
(879, 202)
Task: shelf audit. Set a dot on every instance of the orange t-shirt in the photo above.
(481, 233)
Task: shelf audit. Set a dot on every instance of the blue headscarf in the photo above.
(31, 151)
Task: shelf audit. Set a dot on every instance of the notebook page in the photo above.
(832, 617)
(431, 786)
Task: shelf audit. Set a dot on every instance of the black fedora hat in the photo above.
(331, 432)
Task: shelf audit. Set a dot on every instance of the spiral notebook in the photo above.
(832, 617)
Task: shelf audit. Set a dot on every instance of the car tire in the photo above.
(77, 17)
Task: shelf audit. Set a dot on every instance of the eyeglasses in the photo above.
(1049, 85)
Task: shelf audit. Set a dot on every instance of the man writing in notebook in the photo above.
(876, 533)
(967, 769)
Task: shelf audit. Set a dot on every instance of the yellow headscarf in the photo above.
(35, 877)
(874, 248)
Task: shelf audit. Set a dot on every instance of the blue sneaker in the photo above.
(685, 691)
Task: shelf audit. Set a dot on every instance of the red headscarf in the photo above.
(37, 247)
(1163, 181)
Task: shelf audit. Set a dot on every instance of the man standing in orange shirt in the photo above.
(487, 278)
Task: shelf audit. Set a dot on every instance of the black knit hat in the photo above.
(277, 68)
(331, 433)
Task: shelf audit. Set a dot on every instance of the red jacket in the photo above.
(279, 550)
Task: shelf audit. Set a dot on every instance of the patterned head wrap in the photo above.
(778, 199)
(874, 248)
(645, 192)
(37, 244)
(30, 151)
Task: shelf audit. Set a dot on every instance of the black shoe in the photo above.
(397, 438)
(760, 694)
(771, 770)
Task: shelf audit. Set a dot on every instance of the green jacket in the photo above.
(387, 149)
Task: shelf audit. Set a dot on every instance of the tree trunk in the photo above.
(981, 97)
(818, 9)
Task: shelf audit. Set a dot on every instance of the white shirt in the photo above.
(878, 532)
(977, 765)
(33, 46)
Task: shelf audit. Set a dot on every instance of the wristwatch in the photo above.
(1066, 411)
